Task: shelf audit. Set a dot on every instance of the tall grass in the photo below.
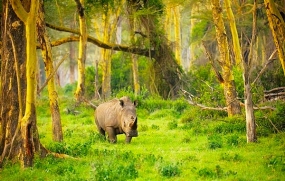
(176, 142)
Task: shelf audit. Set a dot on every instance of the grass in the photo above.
(167, 148)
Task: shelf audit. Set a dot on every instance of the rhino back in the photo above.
(107, 114)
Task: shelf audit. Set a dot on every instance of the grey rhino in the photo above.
(117, 116)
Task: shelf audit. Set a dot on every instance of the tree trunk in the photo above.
(233, 106)
(29, 135)
(106, 59)
(72, 61)
(13, 57)
(277, 26)
(47, 57)
(80, 89)
(247, 63)
(133, 56)
(177, 27)
(167, 72)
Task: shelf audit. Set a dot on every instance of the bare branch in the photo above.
(50, 76)
(270, 60)
(124, 48)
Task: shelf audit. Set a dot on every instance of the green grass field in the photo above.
(174, 143)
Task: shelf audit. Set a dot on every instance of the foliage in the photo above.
(90, 81)
(199, 30)
(202, 148)
(273, 77)
(169, 170)
(204, 86)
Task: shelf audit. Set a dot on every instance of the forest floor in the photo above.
(166, 149)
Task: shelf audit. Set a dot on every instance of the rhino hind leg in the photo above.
(111, 134)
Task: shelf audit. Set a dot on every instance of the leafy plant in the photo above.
(215, 141)
(169, 170)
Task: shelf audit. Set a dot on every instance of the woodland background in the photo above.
(192, 60)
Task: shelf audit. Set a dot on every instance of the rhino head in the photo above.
(129, 118)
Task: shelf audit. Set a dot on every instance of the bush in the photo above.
(172, 124)
(233, 140)
(169, 170)
(215, 141)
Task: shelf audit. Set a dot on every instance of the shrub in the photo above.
(169, 170)
(172, 124)
(233, 140)
(155, 127)
(215, 141)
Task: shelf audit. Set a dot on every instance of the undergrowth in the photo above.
(176, 142)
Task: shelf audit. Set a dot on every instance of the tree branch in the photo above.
(50, 76)
(19, 10)
(270, 60)
(134, 50)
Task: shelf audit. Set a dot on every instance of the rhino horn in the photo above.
(133, 124)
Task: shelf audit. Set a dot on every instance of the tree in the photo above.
(49, 68)
(133, 56)
(233, 106)
(80, 89)
(277, 26)
(247, 63)
(22, 138)
(166, 71)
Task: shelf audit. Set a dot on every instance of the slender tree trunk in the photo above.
(106, 60)
(277, 26)
(133, 56)
(247, 63)
(236, 44)
(80, 89)
(167, 23)
(72, 61)
(233, 106)
(177, 26)
(47, 57)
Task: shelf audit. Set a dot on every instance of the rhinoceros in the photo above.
(117, 116)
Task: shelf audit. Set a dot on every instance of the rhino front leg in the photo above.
(128, 139)
(111, 134)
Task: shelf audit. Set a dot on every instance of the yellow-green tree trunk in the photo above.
(29, 120)
(236, 44)
(106, 59)
(80, 89)
(177, 27)
(49, 69)
(233, 106)
(133, 56)
(277, 26)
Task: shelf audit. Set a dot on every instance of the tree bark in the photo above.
(277, 26)
(49, 68)
(177, 27)
(133, 56)
(29, 135)
(236, 44)
(167, 73)
(247, 63)
(226, 64)
(13, 83)
(80, 89)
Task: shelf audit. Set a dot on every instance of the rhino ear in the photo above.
(135, 103)
(121, 103)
